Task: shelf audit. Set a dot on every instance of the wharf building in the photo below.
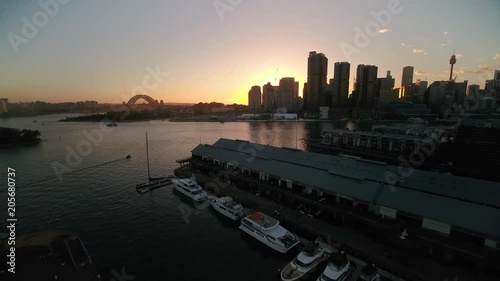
(449, 217)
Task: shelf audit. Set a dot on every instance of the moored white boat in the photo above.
(306, 261)
(190, 188)
(227, 207)
(338, 268)
(268, 231)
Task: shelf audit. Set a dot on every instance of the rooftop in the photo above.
(465, 202)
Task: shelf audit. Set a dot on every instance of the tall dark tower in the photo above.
(453, 60)
(317, 66)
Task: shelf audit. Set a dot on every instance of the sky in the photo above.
(215, 50)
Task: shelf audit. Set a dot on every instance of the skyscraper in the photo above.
(365, 86)
(317, 67)
(492, 87)
(340, 84)
(286, 92)
(269, 97)
(386, 83)
(497, 75)
(407, 77)
(254, 98)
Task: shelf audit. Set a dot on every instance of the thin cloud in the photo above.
(445, 33)
(496, 57)
(445, 43)
(459, 55)
(384, 30)
(482, 69)
(418, 51)
(418, 72)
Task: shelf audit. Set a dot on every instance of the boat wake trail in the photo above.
(52, 177)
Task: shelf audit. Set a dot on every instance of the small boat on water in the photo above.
(190, 188)
(338, 268)
(227, 207)
(111, 124)
(307, 261)
(268, 231)
(152, 183)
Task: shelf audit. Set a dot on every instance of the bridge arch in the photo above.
(147, 98)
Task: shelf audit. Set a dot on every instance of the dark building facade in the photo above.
(317, 67)
(365, 87)
(340, 84)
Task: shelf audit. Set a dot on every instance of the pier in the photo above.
(397, 263)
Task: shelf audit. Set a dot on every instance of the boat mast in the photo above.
(147, 155)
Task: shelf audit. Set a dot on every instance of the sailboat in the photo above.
(152, 182)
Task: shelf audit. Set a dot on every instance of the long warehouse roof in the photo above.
(469, 203)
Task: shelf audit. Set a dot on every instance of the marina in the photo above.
(308, 217)
(258, 177)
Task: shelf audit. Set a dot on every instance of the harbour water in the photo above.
(78, 180)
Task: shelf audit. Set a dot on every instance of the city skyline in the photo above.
(227, 47)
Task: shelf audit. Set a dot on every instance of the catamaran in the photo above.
(152, 183)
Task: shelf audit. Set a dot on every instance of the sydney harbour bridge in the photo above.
(152, 102)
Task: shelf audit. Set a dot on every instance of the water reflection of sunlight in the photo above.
(281, 134)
